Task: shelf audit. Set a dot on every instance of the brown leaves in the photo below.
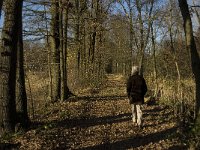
(99, 122)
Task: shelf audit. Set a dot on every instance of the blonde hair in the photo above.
(134, 70)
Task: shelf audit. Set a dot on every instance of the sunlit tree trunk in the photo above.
(143, 39)
(49, 55)
(154, 60)
(191, 46)
(173, 50)
(141, 51)
(55, 53)
(64, 91)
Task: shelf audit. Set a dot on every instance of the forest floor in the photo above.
(100, 120)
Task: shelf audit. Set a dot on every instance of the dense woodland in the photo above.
(61, 54)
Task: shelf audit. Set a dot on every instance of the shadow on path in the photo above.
(88, 122)
(8, 146)
(85, 122)
(135, 141)
(99, 98)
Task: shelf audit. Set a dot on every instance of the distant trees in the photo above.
(139, 25)
(87, 23)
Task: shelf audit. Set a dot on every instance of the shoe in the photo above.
(134, 121)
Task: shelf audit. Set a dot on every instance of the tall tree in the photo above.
(195, 59)
(59, 88)
(154, 60)
(130, 13)
(67, 6)
(21, 97)
(8, 59)
(55, 54)
(77, 32)
(142, 38)
(172, 35)
(140, 14)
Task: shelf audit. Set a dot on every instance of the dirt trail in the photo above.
(101, 122)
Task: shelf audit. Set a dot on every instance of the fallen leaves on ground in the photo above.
(100, 122)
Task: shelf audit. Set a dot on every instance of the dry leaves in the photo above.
(100, 122)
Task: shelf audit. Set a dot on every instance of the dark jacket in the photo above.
(136, 89)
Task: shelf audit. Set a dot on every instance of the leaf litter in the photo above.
(101, 122)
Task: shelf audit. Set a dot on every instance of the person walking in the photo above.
(136, 89)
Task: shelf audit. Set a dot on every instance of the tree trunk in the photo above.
(8, 59)
(55, 44)
(154, 61)
(77, 35)
(65, 26)
(61, 48)
(191, 46)
(132, 32)
(141, 51)
(49, 55)
(173, 50)
(22, 97)
(143, 38)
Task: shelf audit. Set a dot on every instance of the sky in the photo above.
(196, 25)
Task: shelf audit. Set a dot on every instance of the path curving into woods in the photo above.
(101, 121)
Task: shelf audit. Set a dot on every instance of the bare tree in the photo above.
(143, 39)
(191, 46)
(139, 26)
(21, 89)
(8, 60)
(55, 54)
(59, 86)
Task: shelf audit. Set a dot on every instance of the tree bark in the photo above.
(8, 59)
(65, 26)
(77, 34)
(191, 46)
(143, 38)
(154, 61)
(62, 91)
(55, 44)
(173, 50)
(49, 55)
(22, 97)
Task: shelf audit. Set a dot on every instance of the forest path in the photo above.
(101, 121)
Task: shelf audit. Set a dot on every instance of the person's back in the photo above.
(136, 89)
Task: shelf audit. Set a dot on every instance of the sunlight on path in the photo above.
(102, 122)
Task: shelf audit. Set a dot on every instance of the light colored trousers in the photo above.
(136, 114)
